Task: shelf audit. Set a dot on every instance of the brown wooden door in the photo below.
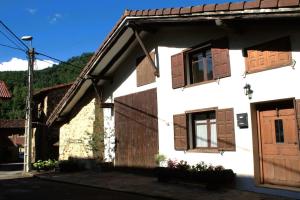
(279, 157)
(136, 129)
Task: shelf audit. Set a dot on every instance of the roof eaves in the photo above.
(200, 11)
(88, 68)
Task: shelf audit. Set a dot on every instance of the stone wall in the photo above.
(82, 136)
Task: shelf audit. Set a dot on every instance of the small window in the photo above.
(269, 55)
(200, 66)
(145, 73)
(279, 131)
(204, 130)
(202, 63)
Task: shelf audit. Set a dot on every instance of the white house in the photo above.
(216, 83)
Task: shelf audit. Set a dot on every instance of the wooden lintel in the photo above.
(107, 105)
(156, 73)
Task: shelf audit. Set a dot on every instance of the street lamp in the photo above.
(28, 123)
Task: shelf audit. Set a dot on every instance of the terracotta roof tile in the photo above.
(222, 7)
(185, 10)
(175, 11)
(288, 3)
(209, 8)
(48, 89)
(152, 12)
(237, 6)
(159, 12)
(145, 12)
(252, 5)
(196, 9)
(132, 12)
(16, 123)
(269, 4)
(167, 11)
(4, 92)
(139, 12)
(127, 12)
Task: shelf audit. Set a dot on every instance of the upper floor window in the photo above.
(145, 74)
(201, 64)
(269, 55)
(201, 68)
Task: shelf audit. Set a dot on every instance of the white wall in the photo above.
(273, 84)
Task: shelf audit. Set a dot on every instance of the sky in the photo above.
(65, 28)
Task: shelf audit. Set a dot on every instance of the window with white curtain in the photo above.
(204, 129)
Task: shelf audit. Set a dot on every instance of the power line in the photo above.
(4, 45)
(10, 40)
(69, 69)
(11, 32)
(67, 63)
(64, 62)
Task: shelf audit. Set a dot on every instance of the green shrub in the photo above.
(183, 165)
(159, 158)
(45, 165)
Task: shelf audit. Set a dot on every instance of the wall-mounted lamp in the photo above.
(247, 90)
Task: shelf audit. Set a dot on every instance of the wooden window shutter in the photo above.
(298, 113)
(144, 70)
(220, 58)
(272, 54)
(178, 72)
(225, 129)
(180, 132)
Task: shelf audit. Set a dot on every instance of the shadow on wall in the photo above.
(9, 152)
(73, 164)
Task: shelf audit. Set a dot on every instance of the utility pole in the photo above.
(29, 104)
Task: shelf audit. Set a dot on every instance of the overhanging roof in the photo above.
(122, 36)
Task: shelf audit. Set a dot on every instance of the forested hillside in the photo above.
(17, 83)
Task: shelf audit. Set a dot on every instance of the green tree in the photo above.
(17, 83)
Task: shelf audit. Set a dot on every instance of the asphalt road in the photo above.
(13, 186)
(34, 188)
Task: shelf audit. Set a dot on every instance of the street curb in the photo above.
(103, 188)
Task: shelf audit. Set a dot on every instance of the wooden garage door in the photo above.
(280, 156)
(136, 129)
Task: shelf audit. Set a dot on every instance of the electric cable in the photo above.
(13, 34)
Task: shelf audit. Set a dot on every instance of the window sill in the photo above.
(204, 150)
(200, 83)
(266, 69)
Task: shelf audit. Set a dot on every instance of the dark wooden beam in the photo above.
(107, 105)
(134, 29)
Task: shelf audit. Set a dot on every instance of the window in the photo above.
(269, 55)
(279, 131)
(203, 63)
(145, 74)
(208, 130)
(204, 130)
(200, 66)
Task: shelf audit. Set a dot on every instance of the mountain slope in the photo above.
(17, 83)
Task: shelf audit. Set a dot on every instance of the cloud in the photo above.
(17, 64)
(55, 18)
(31, 11)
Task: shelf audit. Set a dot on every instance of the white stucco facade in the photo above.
(275, 84)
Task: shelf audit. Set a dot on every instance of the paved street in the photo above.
(34, 188)
(13, 186)
(105, 186)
